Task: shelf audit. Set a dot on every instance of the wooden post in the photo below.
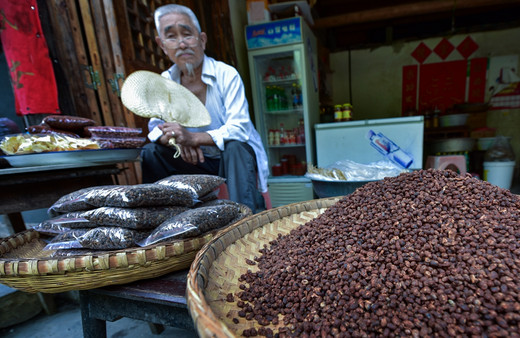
(95, 60)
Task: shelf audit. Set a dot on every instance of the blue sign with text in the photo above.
(274, 33)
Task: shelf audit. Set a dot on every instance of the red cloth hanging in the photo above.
(27, 55)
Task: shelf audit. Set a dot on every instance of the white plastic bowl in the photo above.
(324, 188)
(484, 143)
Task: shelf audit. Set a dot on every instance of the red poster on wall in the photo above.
(477, 80)
(442, 85)
(409, 89)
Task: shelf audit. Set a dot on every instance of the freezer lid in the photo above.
(347, 140)
(386, 121)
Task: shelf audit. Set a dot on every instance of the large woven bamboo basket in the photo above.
(23, 265)
(215, 270)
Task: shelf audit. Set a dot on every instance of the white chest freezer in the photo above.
(348, 140)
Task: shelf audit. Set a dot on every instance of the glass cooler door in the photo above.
(283, 70)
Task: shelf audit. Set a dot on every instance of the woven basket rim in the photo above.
(113, 258)
(206, 322)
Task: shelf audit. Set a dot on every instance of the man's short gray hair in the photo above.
(174, 8)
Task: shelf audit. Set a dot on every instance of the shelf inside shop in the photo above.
(282, 82)
(285, 111)
(289, 145)
(446, 132)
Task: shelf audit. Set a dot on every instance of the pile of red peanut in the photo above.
(422, 254)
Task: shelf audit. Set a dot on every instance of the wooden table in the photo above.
(158, 301)
(37, 187)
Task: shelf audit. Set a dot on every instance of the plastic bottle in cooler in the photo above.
(282, 134)
(277, 101)
(294, 94)
(269, 97)
(389, 149)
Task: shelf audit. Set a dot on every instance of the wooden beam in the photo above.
(405, 10)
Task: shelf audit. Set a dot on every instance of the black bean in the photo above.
(132, 218)
(109, 238)
(195, 185)
(193, 222)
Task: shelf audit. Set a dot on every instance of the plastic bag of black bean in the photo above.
(75, 201)
(209, 197)
(196, 186)
(66, 240)
(244, 210)
(63, 223)
(132, 218)
(139, 195)
(214, 202)
(192, 223)
(111, 238)
(75, 252)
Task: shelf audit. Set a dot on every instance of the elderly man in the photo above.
(230, 146)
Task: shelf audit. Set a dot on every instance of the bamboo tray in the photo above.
(215, 270)
(24, 266)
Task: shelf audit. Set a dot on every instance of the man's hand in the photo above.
(168, 132)
(192, 155)
(188, 141)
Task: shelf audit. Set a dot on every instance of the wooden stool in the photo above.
(158, 301)
(456, 163)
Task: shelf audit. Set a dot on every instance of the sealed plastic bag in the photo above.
(132, 218)
(112, 131)
(68, 122)
(196, 186)
(63, 223)
(66, 240)
(119, 143)
(500, 151)
(244, 208)
(192, 223)
(139, 195)
(75, 252)
(111, 238)
(347, 170)
(74, 201)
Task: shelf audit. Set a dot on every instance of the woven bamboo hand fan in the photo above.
(148, 94)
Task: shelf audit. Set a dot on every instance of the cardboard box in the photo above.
(258, 11)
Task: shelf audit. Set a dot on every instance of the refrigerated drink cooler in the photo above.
(283, 66)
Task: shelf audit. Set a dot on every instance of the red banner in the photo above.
(442, 84)
(477, 80)
(27, 55)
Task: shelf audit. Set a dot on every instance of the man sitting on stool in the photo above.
(230, 146)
